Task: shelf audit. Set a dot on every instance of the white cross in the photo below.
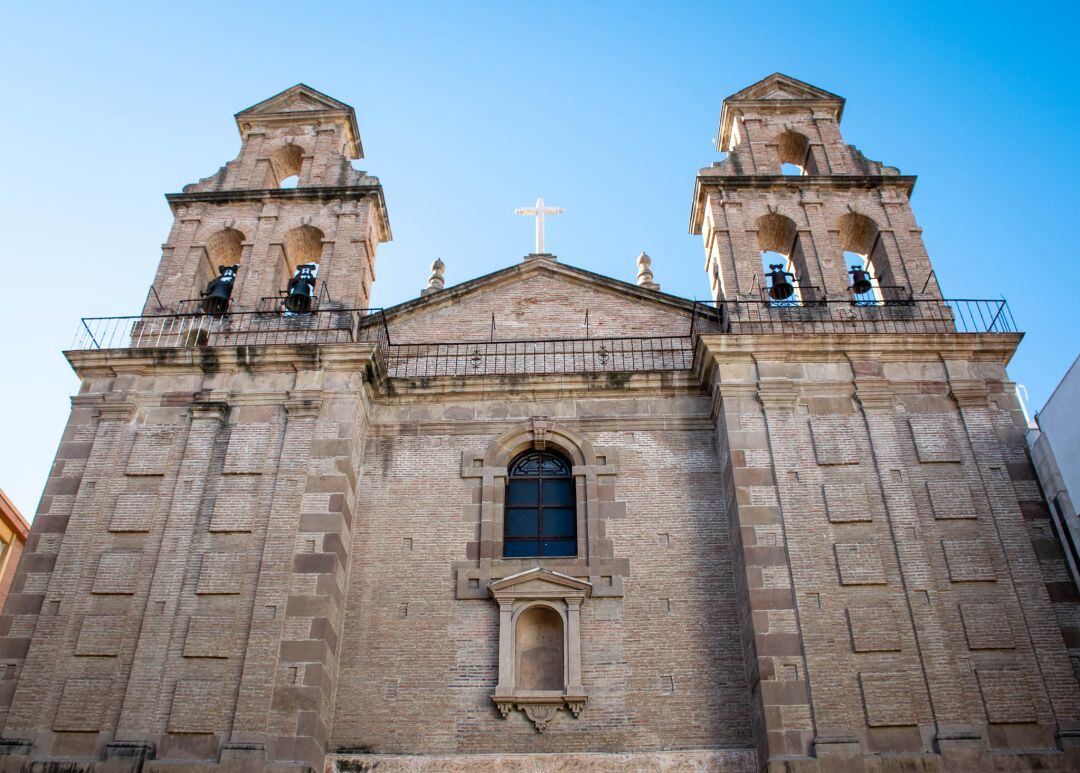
(538, 212)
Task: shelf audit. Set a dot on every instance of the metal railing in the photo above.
(541, 356)
(246, 328)
(868, 315)
(580, 355)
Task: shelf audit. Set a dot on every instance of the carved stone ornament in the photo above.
(540, 644)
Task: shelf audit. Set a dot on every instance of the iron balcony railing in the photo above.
(866, 314)
(245, 328)
(553, 355)
(574, 355)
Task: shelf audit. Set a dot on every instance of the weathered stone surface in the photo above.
(270, 552)
(693, 761)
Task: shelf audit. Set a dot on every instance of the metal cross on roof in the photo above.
(538, 212)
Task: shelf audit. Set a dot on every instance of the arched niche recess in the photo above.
(540, 644)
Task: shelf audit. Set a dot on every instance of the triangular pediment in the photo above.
(540, 299)
(781, 87)
(299, 98)
(302, 104)
(776, 93)
(538, 582)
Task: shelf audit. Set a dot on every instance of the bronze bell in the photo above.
(216, 298)
(301, 289)
(860, 280)
(780, 287)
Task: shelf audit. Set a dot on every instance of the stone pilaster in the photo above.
(136, 723)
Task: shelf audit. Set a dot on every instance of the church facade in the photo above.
(545, 519)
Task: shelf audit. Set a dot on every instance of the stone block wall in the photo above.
(880, 497)
(183, 595)
(661, 655)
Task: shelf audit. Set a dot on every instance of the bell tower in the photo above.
(792, 192)
(290, 198)
(881, 503)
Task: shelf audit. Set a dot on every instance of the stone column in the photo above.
(289, 672)
(257, 272)
(782, 719)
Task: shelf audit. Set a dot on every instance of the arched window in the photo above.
(303, 244)
(541, 512)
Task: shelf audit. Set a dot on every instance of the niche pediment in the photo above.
(540, 644)
(539, 583)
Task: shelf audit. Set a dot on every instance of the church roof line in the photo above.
(550, 267)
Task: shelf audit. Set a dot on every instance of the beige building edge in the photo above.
(795, 533)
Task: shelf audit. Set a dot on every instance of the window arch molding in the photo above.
(593, 470)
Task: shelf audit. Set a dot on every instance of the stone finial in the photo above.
(644, 274)
(435, 282)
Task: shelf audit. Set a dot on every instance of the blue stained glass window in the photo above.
(541, 508)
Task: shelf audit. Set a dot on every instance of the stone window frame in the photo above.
(593, 470)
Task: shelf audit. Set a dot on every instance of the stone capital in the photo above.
(874, 393)
(116, 410)
(969, 393)
(778, 394)
(299, 407)
(210, 404)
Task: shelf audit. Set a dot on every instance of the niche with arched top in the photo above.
(540, 644)
(539, 649)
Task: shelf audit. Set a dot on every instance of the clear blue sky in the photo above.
(469, 110)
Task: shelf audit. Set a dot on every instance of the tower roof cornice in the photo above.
(708, 180)
(302, 104)
(777, 92)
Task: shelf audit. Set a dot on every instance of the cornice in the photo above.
(880, 347)
(705, 182)
(306, 193)
(282, 358)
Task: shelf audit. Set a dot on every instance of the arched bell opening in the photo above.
(873, 281)
(297, 274)
(794, 152)
(217, 275)
(286, 163)
(782, 262)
